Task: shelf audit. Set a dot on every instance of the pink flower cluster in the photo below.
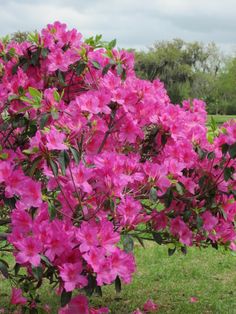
(92, 156)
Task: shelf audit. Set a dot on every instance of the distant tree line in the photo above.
(188, 69)
(192, 70)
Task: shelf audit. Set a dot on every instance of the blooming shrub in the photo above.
(93, 158)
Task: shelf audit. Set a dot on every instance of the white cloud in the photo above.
(135, 23)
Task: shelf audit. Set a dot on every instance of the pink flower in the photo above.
(130, 130)
(81, 175)
(106, 235)
(16, 297)
(55, 139)
(5, 170)
(47, 308)
(29, 251)
(209, 221)
(129, 212)
(71, 275)
(150, 306)
(179, 228)
(21, 220)
(14, 183)
(77, 305)
(58, 61)
(193, 300)
(30, 193)
(122, 265)
(93, 102)
(87, 235)
(99, 234)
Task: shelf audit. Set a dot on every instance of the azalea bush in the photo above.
(92, 159)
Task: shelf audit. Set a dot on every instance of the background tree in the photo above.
(226, 87)
(189, 70)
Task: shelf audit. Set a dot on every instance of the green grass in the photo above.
(207, 274)
(221, 118)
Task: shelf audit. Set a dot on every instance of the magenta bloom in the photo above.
(81, 175)
(31, 193)
(77, 305)
(150, 306)
(209, 221)
(55, 139)
(71, 275)
(101, 234)
(29, 249)
(17, 298)
(5, 170)
(129, 212)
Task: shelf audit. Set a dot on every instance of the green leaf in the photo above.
(118, 284)
(54, 167)
(65, 297)
(228, 171)
(80, 68)
(44, 52)
(56, 96)
(211, 155)
(34, 165)
(96, 65)
(112, 44)
(75, 154)
(52, 211)
(119, 69)
(46, 260)
(153, 194)
(44, 120)
(35, 93)
(33, 37)
(26, 99)
(17, 268)
(37, 272)
(201, 153)
(213, 124)
(184, 250)
(168, 197)
(11, 52)
(61, 77)
(171, 251)
(14, 69)
(224, 148)
(55, 114)
(4, 156)
(157, 237)
(4, 268)
(199, 222)
(63, 160)
(89, 289)
(232, 150)
(35, 58)
(128, 243)
(13, 97)
(140, 241)
(106, 68)
(179, 188)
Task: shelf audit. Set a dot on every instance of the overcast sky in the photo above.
(134, 23)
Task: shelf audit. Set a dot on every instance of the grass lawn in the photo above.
(206, 274)
(220, 118)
